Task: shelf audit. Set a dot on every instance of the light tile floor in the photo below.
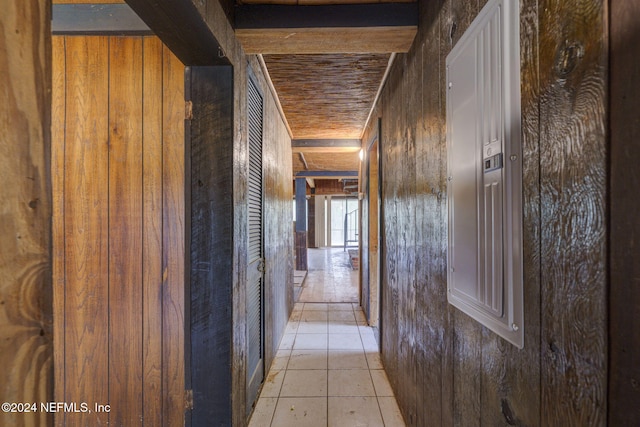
(327, 372)
(330, 277)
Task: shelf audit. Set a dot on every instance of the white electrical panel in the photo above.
(484, 166)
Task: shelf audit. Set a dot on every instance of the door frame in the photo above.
(373, 316)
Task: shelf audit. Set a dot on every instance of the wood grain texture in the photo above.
(293, 41)
(125, 230)
(58, 112)
(181, 28)
(624, 303)
(239, 394)
(26, 337)
(278, 277)
(86, 310)
(173, 265)
(331, 105)
(510, 394)
(110, 223)
(278, 238)
(211, 240)
(152, 230)
(573, 91)
(444, 367)
(467, 339)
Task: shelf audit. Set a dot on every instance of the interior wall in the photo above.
(445, 368)
(624, 296)
(278, 217)
(26, 328)
(278, 212)
(118, 229)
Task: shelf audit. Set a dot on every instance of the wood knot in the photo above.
(452, 31)
(507, 412)
(33, 204)
(568, 58)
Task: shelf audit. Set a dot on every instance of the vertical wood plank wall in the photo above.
(210, 171)
(26, 338)
(624, 324)
(277, 209)
(445, 368)
(118, 228)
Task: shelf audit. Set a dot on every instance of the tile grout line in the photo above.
(327, 401)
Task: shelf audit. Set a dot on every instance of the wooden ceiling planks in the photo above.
(326, 96)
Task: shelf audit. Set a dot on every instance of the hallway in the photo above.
(330, 278)
(327, 371)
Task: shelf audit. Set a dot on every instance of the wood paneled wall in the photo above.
(26, 336)
(277, 208)
(118, 228)
(445, 368)
(624, 294)
(278, 217)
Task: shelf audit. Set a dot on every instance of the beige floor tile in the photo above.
(314, 316)
(360, 318)
(308, 359)
(352, 382)
(345, 342)
(364, 328)
(310, 342)
(263, 412)
(292, 327)
(342, 327)
(312, 328)
(327, 350)
(280, 360)
(381, 383)
(347, 359)
(390, 412)
(304, 383)
(315, 306)
(354, 411)
(340, 307)
(286, 343)
(374, 360)
(272, 384)
(301, 412)
(369, 341)
(342, 316)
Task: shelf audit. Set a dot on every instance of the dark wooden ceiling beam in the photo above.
(316, 29)
(260, 16)
(181, 27)
(96, 19)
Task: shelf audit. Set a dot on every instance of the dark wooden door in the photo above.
(255, 262)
